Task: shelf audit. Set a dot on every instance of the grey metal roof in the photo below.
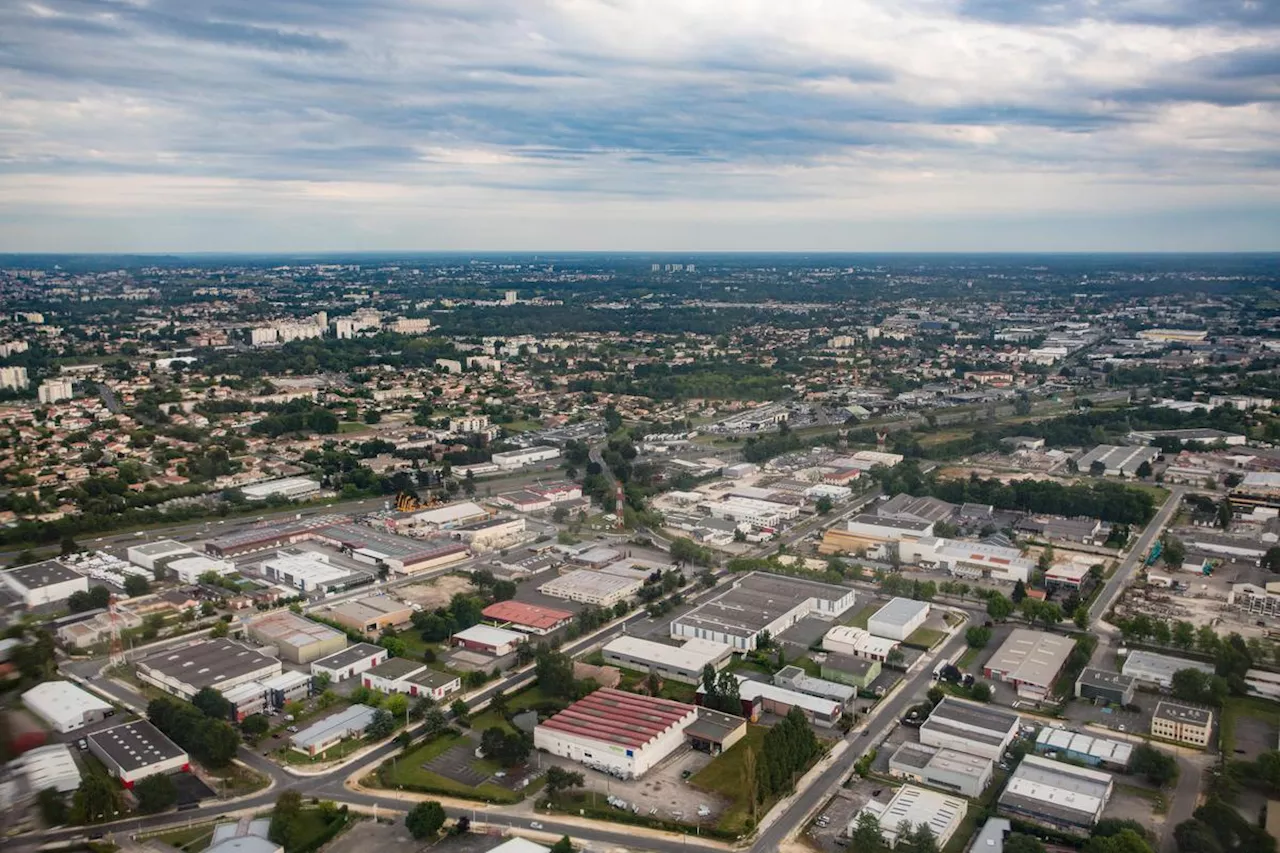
(207, 663)
(42, 574)
(136, 745)
(348, 656)
(1180, 713)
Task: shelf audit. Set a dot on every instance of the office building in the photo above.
(857, 643)
(413, 678)
(1183, 724)
(795, 678)
(854, 671)
(350, 662)
(1101, 685)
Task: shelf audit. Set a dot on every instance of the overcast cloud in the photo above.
(260, 125)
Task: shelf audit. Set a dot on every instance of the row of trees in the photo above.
(788, 748)
(210, 740)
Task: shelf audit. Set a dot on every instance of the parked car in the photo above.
(82, 744)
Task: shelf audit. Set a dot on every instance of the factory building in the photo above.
(372, 614)
(293, 488)
(46, 582)
(858, 643)
(1060, 796)
(150, 555)
(969, 727)
(898, 619)
(682, 663)
(220, 664)
(491, 533)
(942, 813)
(135, 751)
(50, 766)
(1103, 685)
(760, 697)
(1094, 751)
(599, 588)
(1118, 461)
(297, 639)
(618, 732)
(964, 559)
(309, 571)
(872, 534)
(513, 459)
(450, 516)
(529, 618)
(1182, 724)
(760, 602)
(1030, 661)
(1157, 670)
(350, 662)
(64, 706)
(945, 769)
(795, 678)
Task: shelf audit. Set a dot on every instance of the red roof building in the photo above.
(529, 618)
(622, 733)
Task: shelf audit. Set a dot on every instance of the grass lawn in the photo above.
(408, 770)
(528, 698)
(926, 637)
(943, 436)
(967, 659)
(1245, 706)
(191, 839)
(723, 776)
(351, 427)
(489, 719)
(237, 780)
(333, 753)
(1159, 494)
(860, 618)
(522, 426)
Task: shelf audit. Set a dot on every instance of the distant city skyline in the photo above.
(308, 126)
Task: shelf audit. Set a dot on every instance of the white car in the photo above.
(535, 825)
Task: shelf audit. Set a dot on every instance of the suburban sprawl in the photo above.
(520, 554)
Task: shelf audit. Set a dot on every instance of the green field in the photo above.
(859, 619)
(967, 659)
(1245, 706)
(407, 770)
(341, 750)
(723, 776)
(926, 638)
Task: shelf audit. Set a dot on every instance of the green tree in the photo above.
(559, 779)
(999, 608)
(219, 630)
(1174, 552)
(980, 692)
(1183, 635)
(255, 725)
(1159, 767)
(1018, 842)
(381, 725)
(1080, 616)
(285, 817)
(1019, 592)
(434, 722)
(136, 585)
(212, 704)
(865, 836)
(823, 505)
(53, 808)
(155, 793)
(977, 636)
(564, 845)
(425, 819)
(96, 800)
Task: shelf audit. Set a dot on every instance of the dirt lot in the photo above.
(1134, 803)
(1254, 736)
(435, 592)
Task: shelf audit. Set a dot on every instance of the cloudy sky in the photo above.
(260, 125)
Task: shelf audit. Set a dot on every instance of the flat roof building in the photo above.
(1094, 751)
(858, 643)
(969, 727)
(588, 587)
(760, 697)
(682, 663)
(855, 672)
(64, 706)
(946, 769)
(760, 602)
(371, 614)
(135, 751)
(327, 733)
(1157, 670)
(795, 678)
(411, 677)
(293, 488)
(1181, 723)
(1030, 661)
(1106, 686)
(1118, 461)
(1060, 796)
(349, 662)
(298, 639)
(898, 619)
(308, 571)
(220, 664)
(488, 639)
(149, 554)
(46, 582)
(942, 813)
(529, 618)
(623, 733)
(49, 766)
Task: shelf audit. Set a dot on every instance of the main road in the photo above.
(1146, 539)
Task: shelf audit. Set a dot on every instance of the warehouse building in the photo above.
(350, 662)
(220, 664)
(64, 706)
(1117, 461)
(622, 733)
(898, 619)
(491, 533)
(969, 727)
(400, 554)
(372, 614)
(413, 678)
(137, 750)
(760, 697)
(855, 672)
(323, 735)
(297, 639)
(1181, 723)
(682, 663)
(272, 534)
(1094, 751)
(795, 678)
(529, 618)
(872, 534)
(1101, 685)
(1030, 661)
(942, 813)
(587, 587)
(311, 572)
(858, 643)
(965, 559)
(450, 516)
(714, 731)
(488, 640)
(946, 769)
(46, 582)
(50, 766)
(513, 459)
(151, 555)
(1157, 670)
(1060, 796)
(293, 488)
(760, 602)
(190, 569)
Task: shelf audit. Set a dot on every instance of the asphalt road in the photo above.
(878, 723)
(1124, 574)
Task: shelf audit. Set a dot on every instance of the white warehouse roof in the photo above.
(62, 704)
